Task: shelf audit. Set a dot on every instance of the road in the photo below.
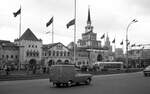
(128, 83)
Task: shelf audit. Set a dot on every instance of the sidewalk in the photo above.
(21, 75)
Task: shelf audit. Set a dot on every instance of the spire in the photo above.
(89, 17)
(107, 38)
(107, 42)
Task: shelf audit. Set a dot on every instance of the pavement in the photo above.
(125, 83)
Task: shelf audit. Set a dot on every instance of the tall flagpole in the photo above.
(20, 24)
(53, 30)
(19, 37)
(75, 32)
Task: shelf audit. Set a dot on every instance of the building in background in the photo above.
(9, 54)
(30, 52)
(139, 57)
(55, 53)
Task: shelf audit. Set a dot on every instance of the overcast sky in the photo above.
(110, 16)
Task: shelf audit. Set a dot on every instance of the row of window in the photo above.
(82, 63)
(10, 56)
(33, 46)
(56, 53)
(34, 54)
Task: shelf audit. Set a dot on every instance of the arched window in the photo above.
(37, 53)
(34, 53)
(57, 53)
(61, 53)
(64, 53)
(27, 53)
(53, 53)
(49, 53)
(68, 53)
(45, 53)
(30, 53)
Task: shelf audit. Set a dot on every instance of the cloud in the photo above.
(139, 6)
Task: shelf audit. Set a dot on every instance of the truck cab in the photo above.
(67, 75)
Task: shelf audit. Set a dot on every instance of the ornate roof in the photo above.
(28, 35)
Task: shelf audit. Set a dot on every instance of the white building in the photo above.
(30, 51)
(55, 53)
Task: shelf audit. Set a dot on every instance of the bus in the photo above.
(110, 65)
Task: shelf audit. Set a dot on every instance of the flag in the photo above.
(135, 21)
(121, 43)
(103, 36)
(49, 22)
(17, 13)
(132, 45)
(128, 43)
(139, 45)
(113, 41)
(48, 32)
(72, 22)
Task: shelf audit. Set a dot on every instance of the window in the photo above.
(35, 46)
(68, 53)
(29, 46)
(49, 53)
(53, 53)
(16, 56)
(32, 46)
(2, 56)
(61, 53)
(64, 53)
(27, 53)
(37, 53)
(57, 53)
(31, 53)
(7, 56)
(11, 56)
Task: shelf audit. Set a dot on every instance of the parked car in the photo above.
(67, 75)
(146, 71)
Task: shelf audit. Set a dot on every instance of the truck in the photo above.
(67, 75)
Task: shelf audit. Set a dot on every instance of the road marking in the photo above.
(109, 75)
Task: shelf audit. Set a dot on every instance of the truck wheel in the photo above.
(88, 81)
(145, 74)
(58, 84)
(69, 84)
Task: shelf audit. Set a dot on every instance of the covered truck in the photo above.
(67, 75)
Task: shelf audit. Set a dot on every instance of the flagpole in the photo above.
(104, 39)
(20, 36)
(53, 30)
(20, 24)
(75, 32)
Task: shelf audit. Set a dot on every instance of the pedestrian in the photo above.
(6, 69)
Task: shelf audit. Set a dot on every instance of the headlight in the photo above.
(147, 68)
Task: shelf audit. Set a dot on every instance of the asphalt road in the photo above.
(132, 83)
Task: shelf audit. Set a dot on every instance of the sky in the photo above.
(108, 16)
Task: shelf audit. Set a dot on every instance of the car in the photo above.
(66, 75)
(146, 71)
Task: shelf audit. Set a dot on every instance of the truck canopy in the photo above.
(62, 73)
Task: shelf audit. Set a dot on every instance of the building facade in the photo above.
(30, 51)
(89, 50)
(55, 53)
(139, 57)
(9, 54)
(89, 38)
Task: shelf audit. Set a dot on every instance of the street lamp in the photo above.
(133, 21)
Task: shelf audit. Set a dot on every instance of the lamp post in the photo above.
(133, 21)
